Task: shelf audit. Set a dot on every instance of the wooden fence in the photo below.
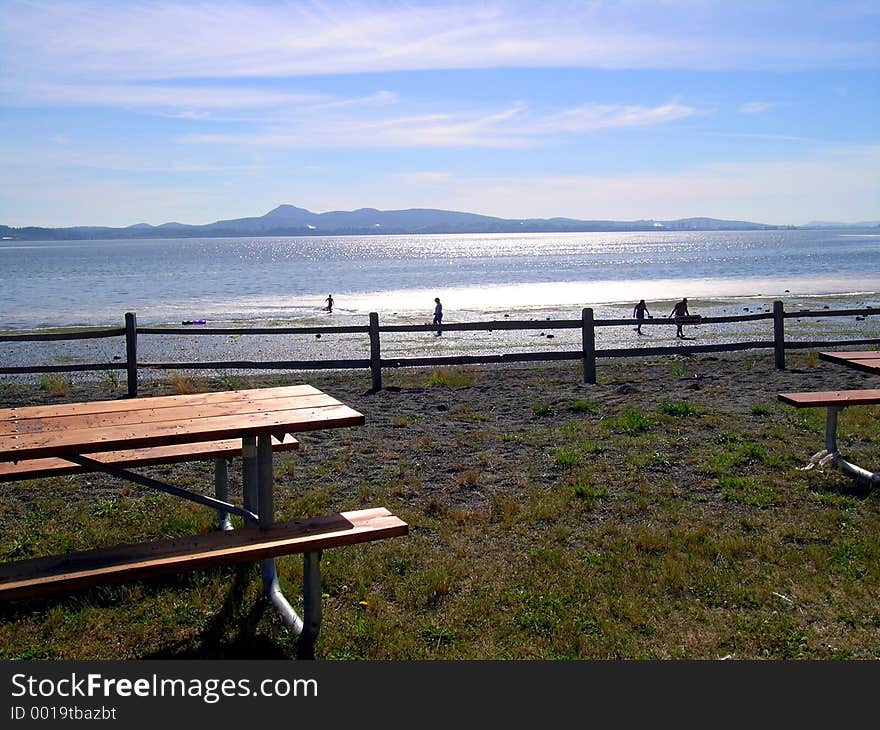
(588, 353)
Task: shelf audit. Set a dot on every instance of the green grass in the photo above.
(584, 406)
(682, 409)
(543, 410)
(662, 525)
(451, 378)
(55, 384)
(632, 421)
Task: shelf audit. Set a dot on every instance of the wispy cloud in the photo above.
(755, 107)
(591, 117)
(120, 42)
(157, 97)
(758, 135)
(511, 127)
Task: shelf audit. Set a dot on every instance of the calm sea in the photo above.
(273, 280)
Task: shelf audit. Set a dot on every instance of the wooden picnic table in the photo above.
(92, 434)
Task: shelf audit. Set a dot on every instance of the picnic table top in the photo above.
(865, 360)
(81, 428)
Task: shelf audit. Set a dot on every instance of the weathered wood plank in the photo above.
(831, 398)
(51, 467)
(867, 361)
(84, 441)
(258, 365)
(20, 425)
(159, 401)
(58, 336)
(61, 573)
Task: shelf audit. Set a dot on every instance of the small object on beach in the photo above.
(117, 357)
(193, 321)
(859, 318)
(550, 337)
(826, 307)
(787, 292)
(318, 336)
(745, 309)
(506, 315)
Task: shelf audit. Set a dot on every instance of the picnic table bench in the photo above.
(834, 401)
(115, 436)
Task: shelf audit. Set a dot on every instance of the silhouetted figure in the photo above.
(438, 315)
(679, 310)
(329, 307)
(640, 311)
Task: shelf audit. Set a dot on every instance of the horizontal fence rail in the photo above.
(587, 324)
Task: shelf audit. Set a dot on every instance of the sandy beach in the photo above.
(157, 348)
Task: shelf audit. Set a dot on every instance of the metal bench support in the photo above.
(831, 454)
(845, 466)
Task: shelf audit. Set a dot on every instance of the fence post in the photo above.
(131, 353)
(588, 342)
(779, 335)
(375, 356)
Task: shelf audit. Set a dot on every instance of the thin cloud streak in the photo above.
(123, 42)
(508, 128)
(157, 97)
(755, 107)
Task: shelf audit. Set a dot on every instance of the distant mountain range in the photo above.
(288, 220)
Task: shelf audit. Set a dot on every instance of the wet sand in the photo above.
(335, 346)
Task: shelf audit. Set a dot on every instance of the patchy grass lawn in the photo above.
(642, 518)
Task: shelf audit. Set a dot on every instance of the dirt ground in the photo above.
(439, 434)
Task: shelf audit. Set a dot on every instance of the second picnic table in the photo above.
(867, 361)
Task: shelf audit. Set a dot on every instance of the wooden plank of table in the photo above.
(865, 362)
(42, 576)
(15, 447)
(832, 398)
(176, 453)
(159, 401)
(850, 355)
(18, 425)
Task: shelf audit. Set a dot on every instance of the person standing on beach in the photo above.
(640, 311)
(438, 314)
(679, 310)
(329, 307)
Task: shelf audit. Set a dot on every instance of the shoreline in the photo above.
(400, 345)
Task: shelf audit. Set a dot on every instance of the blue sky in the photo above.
(115, 113)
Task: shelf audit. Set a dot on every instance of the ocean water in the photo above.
(265, 282)
(285, 280)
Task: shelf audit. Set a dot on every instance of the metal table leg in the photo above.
(266, 511)
(258, 484)
(221, 491)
